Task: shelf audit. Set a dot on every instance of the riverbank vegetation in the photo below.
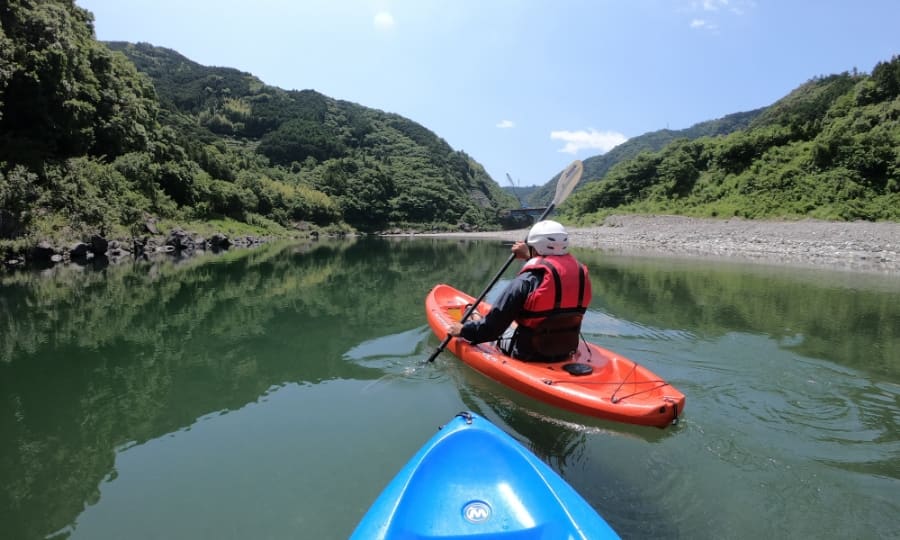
(829, 150)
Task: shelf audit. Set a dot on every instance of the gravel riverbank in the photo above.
(859, 246)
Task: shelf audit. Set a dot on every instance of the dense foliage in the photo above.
(829, 150)
(90, 144)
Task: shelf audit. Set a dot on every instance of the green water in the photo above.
(272, 393)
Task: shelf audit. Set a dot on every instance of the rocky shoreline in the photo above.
(856, 246)
(100, 251)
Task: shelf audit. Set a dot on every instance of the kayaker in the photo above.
(547, 300)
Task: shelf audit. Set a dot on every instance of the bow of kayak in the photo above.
(471, 479)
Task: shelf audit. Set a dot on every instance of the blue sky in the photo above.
(525, 86)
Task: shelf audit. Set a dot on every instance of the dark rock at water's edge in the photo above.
(99, 245)
(43, 252)
(79, 251)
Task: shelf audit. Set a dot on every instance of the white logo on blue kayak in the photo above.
(476, 512)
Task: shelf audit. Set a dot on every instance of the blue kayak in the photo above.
(473, 480)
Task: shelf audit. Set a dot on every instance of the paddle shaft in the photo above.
(478, 300)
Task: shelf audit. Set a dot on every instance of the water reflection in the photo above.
(788, 374)
(808, 310)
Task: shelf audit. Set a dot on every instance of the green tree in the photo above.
(295, 140)
(18, 194)
(64, 94)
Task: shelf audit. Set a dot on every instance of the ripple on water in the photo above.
(777, 403)
(597, 326)
(401, 355)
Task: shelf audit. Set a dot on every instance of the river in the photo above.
(273, 392)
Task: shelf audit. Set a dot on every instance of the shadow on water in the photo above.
(96, 359)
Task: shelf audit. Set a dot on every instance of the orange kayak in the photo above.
(594, 381)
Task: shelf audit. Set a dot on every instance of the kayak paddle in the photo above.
(564, 186)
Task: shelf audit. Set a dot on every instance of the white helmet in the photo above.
(548, 238)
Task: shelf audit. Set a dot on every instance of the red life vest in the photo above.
(552, 313)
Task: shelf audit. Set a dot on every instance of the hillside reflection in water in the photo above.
(273, 392)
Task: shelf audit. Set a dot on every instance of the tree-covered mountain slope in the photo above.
(95, 137)
(382, 168)
(829, 150)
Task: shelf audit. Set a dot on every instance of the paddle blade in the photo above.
(568, 179)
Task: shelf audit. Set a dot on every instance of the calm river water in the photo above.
(272, 393)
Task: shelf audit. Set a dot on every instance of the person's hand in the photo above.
(454, 329)
(520, 249)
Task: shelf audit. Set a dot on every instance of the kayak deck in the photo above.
(471, 479)
(615, 388)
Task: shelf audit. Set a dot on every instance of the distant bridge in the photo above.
(533, 213)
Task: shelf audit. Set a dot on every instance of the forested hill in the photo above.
(90, 143)
(382, 169)
(828, 150)
(596, 167)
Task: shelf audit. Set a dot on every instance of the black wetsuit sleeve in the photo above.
(504, 311)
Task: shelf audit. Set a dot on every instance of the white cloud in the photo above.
(506, 124)
(703, 24)
(708, 13)
(384, 21)
(590, 139)
(738, 7)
